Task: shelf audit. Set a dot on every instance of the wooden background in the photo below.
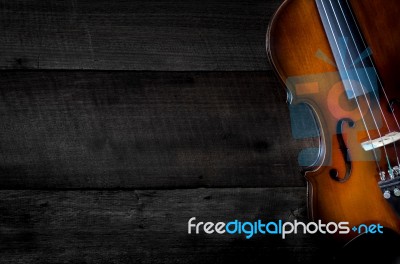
(120, 120)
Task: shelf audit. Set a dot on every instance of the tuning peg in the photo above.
(396, 191)
(386, 194)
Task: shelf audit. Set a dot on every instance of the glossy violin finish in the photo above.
(342, 59)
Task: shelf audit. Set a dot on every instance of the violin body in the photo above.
(343, 184)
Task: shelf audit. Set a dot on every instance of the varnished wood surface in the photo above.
(294, 41)
(135, 35)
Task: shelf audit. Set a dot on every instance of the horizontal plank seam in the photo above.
(137, 71)
(147, 189)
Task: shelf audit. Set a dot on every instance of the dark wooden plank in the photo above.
(148, 226)
(144, 130)
(135, 35)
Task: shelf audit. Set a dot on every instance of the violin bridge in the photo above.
(381, 141)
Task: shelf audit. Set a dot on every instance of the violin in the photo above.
(341, 59)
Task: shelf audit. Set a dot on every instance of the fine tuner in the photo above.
(390, 184)
(390, 181)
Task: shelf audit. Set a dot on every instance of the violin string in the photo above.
(369, 79)
(377, 76)
(356, 100)
(362, 88)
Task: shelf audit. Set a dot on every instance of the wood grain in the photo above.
(135, 35)
(77, 129)
(148, 226)
(107, 166)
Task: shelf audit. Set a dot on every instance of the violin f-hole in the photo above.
(392, 103)
(345, 153)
